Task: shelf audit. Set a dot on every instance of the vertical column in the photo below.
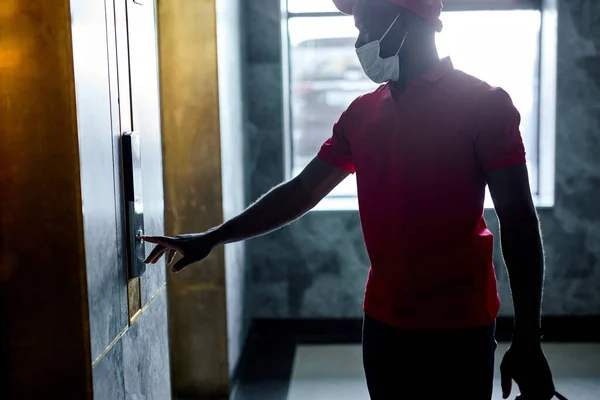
(45, 343)
(193, 192)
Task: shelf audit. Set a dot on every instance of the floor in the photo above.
(331, 372)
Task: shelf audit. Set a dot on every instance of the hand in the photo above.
(193, 248)
(526, 364)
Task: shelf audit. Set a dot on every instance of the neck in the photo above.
(414, 65)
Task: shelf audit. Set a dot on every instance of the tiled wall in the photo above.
(317, 267)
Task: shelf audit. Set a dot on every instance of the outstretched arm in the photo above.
(280, 206)
(283, 204)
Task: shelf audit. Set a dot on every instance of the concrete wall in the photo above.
(318, 266)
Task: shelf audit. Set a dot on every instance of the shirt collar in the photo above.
(438, 71)
(434, 74)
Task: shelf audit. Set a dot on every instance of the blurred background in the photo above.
(229, 98)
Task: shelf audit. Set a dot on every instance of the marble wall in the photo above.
(572, 228)
(231, 117)
(317, 267)
(129, 360)
(137, 365)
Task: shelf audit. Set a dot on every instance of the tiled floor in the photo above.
(326, 372)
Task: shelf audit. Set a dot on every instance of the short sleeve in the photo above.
(498, 143)
(336, 150)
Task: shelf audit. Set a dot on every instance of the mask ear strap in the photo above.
(390, 28)
(402, 44)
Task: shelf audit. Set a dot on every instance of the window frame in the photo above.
(546, 99)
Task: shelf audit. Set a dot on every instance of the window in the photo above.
(499, 43)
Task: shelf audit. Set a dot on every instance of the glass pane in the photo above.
(325, 78)
(307, 6)
(500, 47)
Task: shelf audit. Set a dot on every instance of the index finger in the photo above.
(165, 241)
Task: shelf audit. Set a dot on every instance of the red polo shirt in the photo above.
(420, 158)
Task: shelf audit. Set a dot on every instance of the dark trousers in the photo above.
(425, 364)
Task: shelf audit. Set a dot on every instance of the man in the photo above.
(423, 146)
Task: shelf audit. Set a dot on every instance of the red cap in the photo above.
(428, 9)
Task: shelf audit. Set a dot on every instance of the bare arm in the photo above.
(283, 204)
(280, 206)
(521, 245)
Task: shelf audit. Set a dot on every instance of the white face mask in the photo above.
(378, 69)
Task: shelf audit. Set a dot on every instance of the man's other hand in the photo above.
(526, 364)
